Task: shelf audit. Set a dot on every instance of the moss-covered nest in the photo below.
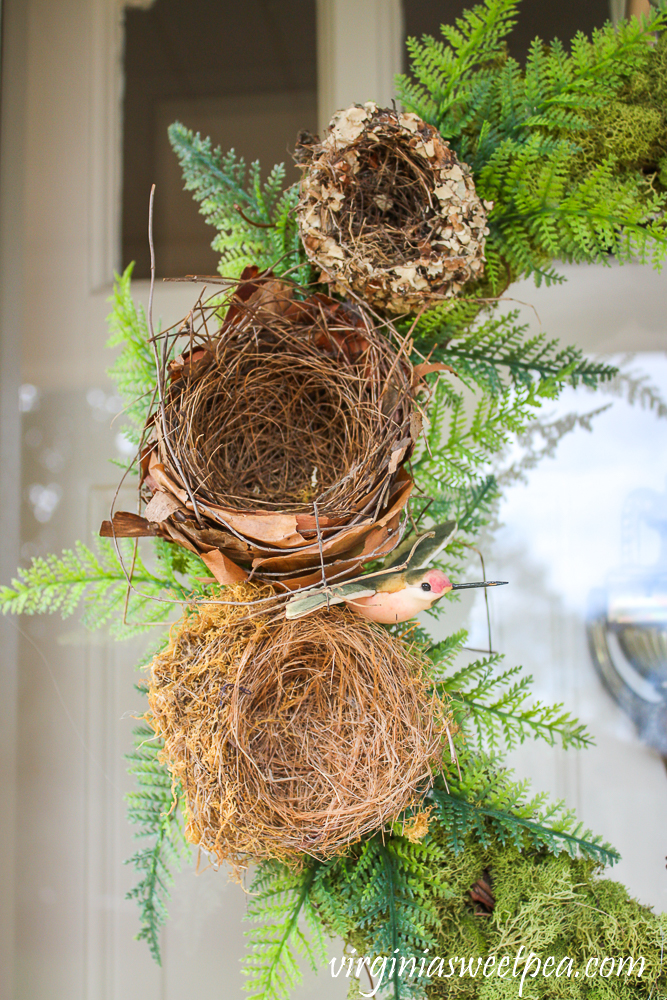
(388, 212)
(291, 737)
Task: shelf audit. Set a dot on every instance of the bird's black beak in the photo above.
(484, 583)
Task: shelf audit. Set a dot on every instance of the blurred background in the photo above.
(88, 89)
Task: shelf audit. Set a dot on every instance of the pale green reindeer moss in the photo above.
(550, 905)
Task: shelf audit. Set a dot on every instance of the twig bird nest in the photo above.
(291, 737)
(278, 447)
(388, 211)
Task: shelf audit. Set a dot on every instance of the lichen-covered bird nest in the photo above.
(291, 736)
(289, 419)
(388, 211)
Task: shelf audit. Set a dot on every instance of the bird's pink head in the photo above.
(439, 583)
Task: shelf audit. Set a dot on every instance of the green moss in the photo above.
(632, 127)
(631, 133)
(650, 86)
(552, 906)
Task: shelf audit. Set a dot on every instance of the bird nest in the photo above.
(291, 737)
(278, 447)
(294, 403)
(388, 211)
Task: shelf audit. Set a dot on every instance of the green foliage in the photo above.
(283, 899)
(98, 581)
(538, 139)
(543, 213)
(386, 895)
(389, 888)
(485, 802)
(494, 706)
(256, 221)
(384, 891)
(630, 133)
(453, 466)
(551, 906)
(474, 504)
(632, 126)
(502, 377)
(156, 807)
(496, 353)
(460, 443)
(134, 368)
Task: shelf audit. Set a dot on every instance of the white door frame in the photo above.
(12, 140)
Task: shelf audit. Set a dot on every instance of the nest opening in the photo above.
(271, 424)
(389, 211)
(291, 736)
(293, 403)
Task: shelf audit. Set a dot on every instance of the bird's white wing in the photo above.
(305, 604)
(312, 600)
(432, 544)
(424, 549)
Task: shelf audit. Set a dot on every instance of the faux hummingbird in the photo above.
(395, 593)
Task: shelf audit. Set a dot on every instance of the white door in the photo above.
(67, 930)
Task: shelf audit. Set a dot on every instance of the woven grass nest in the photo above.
(388, 211)
(291, 737)
(291, 418)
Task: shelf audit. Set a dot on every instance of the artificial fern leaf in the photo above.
(98, 581)
(508, 373)
(488, 354)
(280, 900)
(134, 368)
(156, 807)
(443, 71)
(485, 801)
(386, 889)
(494, 705)
(256, 221)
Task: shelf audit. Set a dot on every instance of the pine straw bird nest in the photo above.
(277, 452)
(291, 737)
(387, 210)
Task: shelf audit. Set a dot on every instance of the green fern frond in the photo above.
(498, 351)
(281, 900)
(98, 582)
(443, 72)
(495, 704)
(460, 444)
(134, 368)
(485, 802)
(256, 221)
(386, 890)
(156, 807)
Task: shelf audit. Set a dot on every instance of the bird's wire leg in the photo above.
(486, 598)
(319, 543)
(452, 750)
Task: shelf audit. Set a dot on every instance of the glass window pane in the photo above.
(245, 74)
(542, 18)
